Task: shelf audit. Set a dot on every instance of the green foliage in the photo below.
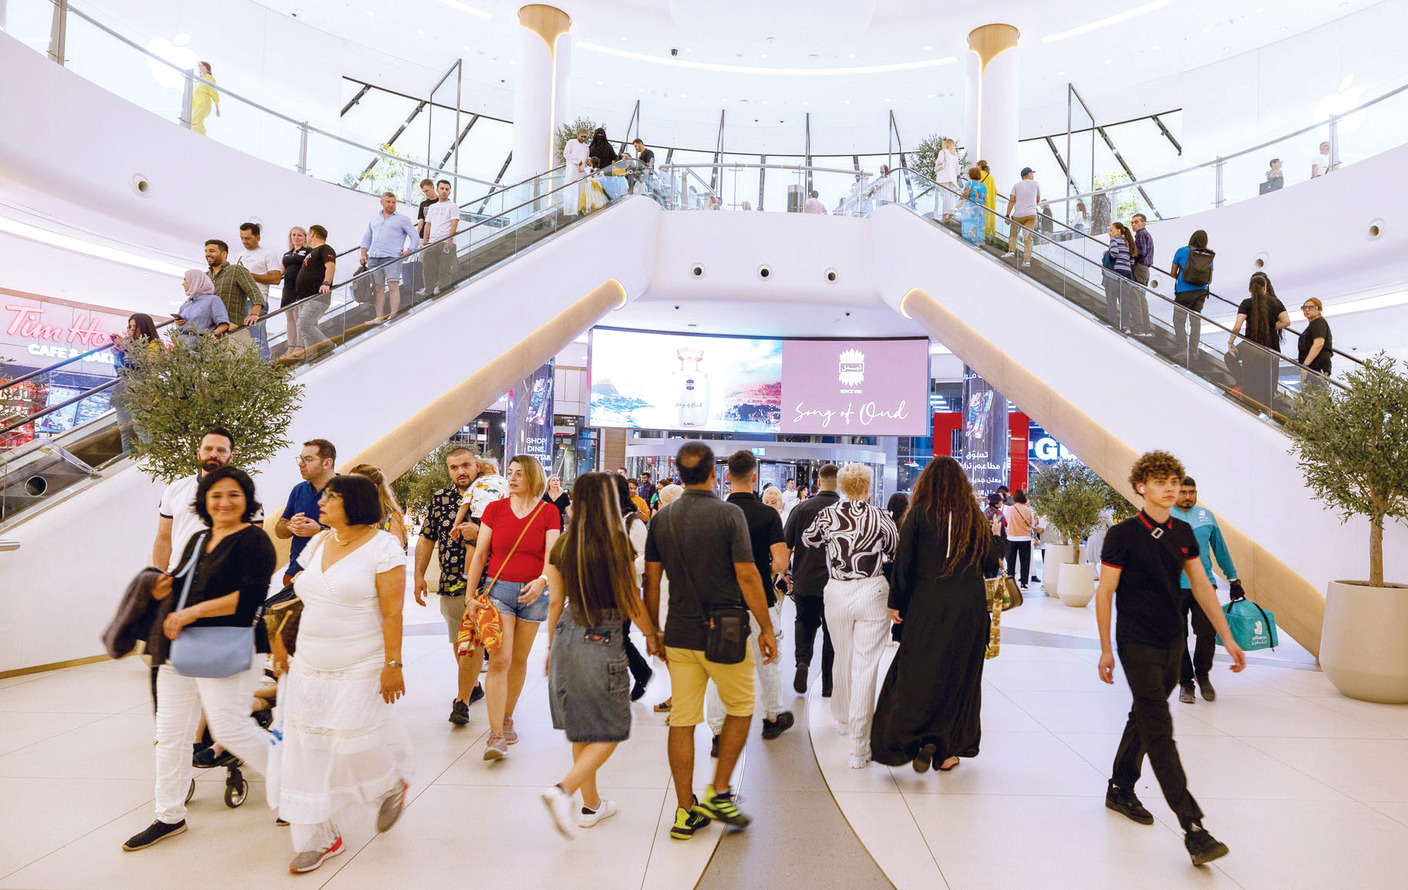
(1070, 496)
(416, 486)
(387, 175)
(1352, 446)
(568, 131)
(923, 156)
(175, 393)
(1124, 201)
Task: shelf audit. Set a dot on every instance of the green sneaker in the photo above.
(687, 822)
(720, 806)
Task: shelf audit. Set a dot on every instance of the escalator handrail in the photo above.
(28, 419)
(1148, 291)
(1074, 233)
(47, 369)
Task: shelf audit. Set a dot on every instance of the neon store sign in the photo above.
(83, 334)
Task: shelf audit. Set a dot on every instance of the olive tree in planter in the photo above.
(1070, 497)
(1352, 446)
(174, 394)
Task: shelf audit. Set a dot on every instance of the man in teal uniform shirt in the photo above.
(1210, 545)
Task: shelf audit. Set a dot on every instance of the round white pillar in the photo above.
(993, 92)
(540, 90)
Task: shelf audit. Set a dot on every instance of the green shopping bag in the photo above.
(1252, 626)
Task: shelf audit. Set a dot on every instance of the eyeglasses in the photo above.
(305, 459)
(1307, 307)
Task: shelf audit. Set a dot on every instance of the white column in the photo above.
(540, 92)
(993, 94)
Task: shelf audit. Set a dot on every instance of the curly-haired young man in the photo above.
(1143, 558)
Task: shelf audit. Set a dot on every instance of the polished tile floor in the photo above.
(1309, 789)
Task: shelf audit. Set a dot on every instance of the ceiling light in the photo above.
(101, 251)
(420, 33)
(684, 95)
(369, 12)
(851, 56)
(927, 48)
(181, 39)
(465, 7)
(753, 69)
(1382, 301)
(1114, 19)
(763, 56)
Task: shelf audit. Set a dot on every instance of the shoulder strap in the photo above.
(514, 549)
(190, 569)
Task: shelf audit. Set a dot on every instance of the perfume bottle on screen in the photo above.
(691, 389)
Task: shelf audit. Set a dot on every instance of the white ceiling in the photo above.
(760, 41)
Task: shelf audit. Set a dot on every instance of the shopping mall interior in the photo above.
(774, 236)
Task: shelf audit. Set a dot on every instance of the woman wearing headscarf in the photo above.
(930, 701)
(203, 312)
(990, 223)
(1264, 317)
(603, 157)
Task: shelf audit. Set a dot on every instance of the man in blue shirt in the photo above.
(389, 236)
(1210, 545)
(300, 519)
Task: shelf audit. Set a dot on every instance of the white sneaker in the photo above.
(559, 804)
(1009, 255)
(604, 810)
(860, 761)
(1027, 264)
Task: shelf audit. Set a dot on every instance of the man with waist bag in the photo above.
(703, 545)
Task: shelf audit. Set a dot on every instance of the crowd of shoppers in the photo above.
(918, 566)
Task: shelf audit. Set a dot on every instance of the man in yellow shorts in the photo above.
(702, 543)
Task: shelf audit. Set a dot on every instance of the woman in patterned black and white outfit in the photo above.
(858, 537)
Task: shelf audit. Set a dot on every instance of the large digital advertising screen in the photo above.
(648, 380)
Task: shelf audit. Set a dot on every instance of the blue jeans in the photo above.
(505, 595)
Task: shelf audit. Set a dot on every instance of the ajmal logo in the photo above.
(852, 372)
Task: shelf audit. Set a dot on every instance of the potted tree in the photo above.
(1069, 496)
(1352, 445)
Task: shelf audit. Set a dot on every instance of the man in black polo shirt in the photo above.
(1143, 558)
(702, 543)
(770, 556)
(809, 579)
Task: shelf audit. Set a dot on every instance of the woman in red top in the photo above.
(516, 535)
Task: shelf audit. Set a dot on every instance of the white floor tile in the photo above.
(1062, 712)
(995, 842)
(21, 728)
(1364, 769)
(1393, 718)
(41, 815)
(1284, 716)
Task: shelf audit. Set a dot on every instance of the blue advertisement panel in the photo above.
(528, 420)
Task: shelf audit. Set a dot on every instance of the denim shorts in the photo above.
(383, 268)
(589, 681)
(505, 595)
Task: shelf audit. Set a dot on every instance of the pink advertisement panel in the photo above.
(856, 387)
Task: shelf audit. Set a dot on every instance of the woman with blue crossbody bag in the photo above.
(206, 651)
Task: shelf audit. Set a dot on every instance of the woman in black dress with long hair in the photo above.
(929, 705)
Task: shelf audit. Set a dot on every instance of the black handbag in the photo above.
(729, 627)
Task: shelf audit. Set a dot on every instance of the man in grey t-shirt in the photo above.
(1021, 209)
(702, 543)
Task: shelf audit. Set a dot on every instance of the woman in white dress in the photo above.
(946, 174)
(343, 745)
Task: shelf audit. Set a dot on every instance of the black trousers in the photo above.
(1201, 662)
(1152, 673)
(640, 668)
(1022, 550)
(811, 614)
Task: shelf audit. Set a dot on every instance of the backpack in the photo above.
(1198, 271)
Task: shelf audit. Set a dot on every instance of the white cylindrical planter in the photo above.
(1077, 584)
(1364, 643)
(1053, 556)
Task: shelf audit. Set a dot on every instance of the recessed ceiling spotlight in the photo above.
(927, 48)
(851, 56)
(421, 33)
(684, 95)
(623, 39)
(889, 100)
(848, 101)
(763, 55)
(930, 96)
(1060, 74)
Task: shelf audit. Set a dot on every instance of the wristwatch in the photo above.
(394, 664)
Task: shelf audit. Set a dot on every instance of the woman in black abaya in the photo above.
(928, 712)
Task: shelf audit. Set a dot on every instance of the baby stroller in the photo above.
(204, 757)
